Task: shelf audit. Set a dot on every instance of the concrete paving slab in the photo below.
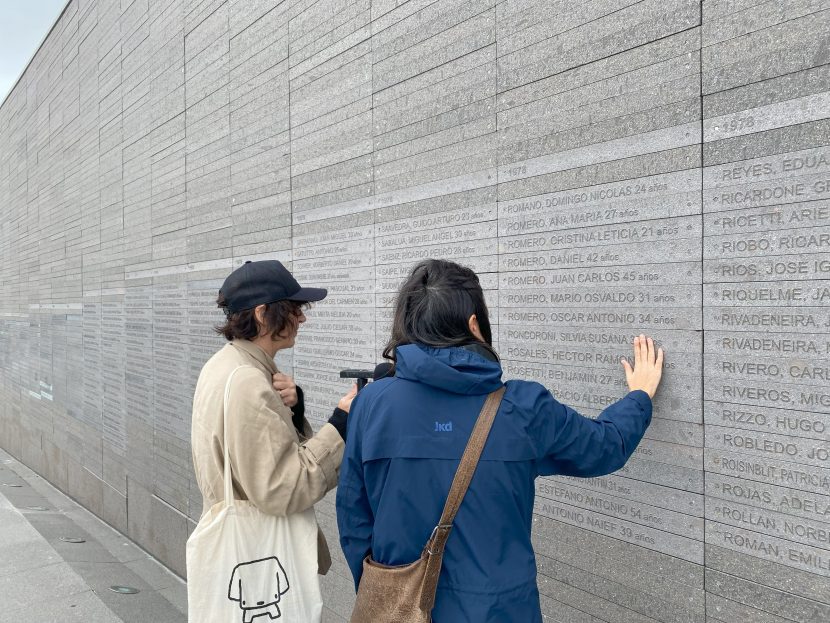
(83, 607)
(28, 565)
(33, 556)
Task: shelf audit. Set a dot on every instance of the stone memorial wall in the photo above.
(607, 167)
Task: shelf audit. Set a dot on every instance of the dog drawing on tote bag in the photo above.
(258, 586)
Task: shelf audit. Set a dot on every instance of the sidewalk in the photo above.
(45, 579)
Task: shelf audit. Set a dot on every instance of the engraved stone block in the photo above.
(621, 529)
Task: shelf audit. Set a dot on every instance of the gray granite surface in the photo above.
(607, 167)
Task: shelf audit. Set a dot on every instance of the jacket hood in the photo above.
(455, 370)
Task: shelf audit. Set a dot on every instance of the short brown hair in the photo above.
(242, 325)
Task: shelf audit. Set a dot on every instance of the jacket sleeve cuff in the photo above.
(339, 419)
(327, 448)
(642, 399)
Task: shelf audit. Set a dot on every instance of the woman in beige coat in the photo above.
(277, 461)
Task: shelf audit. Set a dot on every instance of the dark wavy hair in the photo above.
(242, 325)
(434, 305)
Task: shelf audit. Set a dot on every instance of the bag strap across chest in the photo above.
(227, 472)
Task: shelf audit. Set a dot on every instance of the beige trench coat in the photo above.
(273, 466)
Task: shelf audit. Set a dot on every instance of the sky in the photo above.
(23, 25)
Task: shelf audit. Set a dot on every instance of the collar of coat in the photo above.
(256, 353)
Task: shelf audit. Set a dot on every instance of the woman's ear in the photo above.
(474, 328)
(259, 314)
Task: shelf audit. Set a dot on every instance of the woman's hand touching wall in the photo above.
(648, 366)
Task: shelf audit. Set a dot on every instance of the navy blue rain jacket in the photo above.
(406, 435)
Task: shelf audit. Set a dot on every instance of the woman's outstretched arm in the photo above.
(573, 445)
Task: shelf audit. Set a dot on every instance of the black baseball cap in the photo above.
(267, 281)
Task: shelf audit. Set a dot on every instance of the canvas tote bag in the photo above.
(406, 593)
(244, 566)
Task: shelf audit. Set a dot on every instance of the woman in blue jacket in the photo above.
(407, 432)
